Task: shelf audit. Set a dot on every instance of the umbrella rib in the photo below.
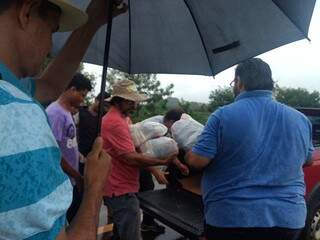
(291, 20)
(130, 37)
(200, 35)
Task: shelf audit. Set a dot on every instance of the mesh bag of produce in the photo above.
(186, 131)
(159, 147)
(144, 131)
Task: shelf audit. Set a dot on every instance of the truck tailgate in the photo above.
(177, 208)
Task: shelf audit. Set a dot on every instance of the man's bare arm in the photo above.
(59, 73)
(84, 225)
(196, 161)
(140, 160)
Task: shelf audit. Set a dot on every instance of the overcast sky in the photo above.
(294, 65)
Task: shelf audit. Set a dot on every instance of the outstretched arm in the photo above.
(59, 73)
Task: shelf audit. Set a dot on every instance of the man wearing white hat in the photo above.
(123, 182)
(34, 191)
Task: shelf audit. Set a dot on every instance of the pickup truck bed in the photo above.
(177, 208)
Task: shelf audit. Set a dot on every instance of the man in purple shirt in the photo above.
(64, 129)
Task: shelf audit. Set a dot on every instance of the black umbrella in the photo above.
(201, 37)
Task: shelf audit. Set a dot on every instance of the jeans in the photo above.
(126, 216)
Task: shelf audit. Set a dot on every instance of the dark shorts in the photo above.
(275, 233)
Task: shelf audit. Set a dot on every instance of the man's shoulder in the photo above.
(113, 118)
(114, 123)
(56, 110)
(295, 113)
(52, 107)
(9, 92)
(231, 107)
(83, 109)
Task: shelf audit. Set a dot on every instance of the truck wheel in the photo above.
(312, 227)
(315, 225)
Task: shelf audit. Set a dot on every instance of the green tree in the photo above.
(198, 111)
(220, 97)
(297, 97)
(148, 84)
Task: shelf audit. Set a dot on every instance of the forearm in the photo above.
(140, 160)
(196, 161)
(50, 85)
(84, 226)
(151, 170)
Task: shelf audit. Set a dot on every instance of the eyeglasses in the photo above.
(232, 83)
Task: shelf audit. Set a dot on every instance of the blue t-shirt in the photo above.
(257, 148)
(34, 191)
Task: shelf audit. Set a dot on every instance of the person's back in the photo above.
(87, 121)
(87, 130)
(263, 146)
(252, 152)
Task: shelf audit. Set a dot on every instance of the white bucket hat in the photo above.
(71, 16)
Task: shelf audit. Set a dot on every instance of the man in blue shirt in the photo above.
(252, 152)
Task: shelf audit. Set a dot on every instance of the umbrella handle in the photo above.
(105, 64)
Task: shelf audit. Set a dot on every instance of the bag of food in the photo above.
(160, 147)
(157, 119)
(186, 131)
(144, 131)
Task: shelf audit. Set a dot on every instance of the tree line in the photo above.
(160, 99)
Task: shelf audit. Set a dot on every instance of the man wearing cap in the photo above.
(35, 193)
(123, 183)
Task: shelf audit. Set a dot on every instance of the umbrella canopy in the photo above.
(202, 37)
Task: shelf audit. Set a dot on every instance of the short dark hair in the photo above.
(106, 95)
(5, 4)
(80, 82)
(173, 114)
(255, 74)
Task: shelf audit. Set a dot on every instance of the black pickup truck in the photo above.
(179, 206)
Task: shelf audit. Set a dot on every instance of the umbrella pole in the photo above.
(105, 66)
